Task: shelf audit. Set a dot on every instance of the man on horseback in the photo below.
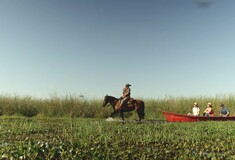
(126, 95)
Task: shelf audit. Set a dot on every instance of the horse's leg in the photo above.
(121, 113)
(113, 113)
(139, 114)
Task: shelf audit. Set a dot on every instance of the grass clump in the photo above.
(77, 106)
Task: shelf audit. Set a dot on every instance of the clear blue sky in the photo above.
(94, 47)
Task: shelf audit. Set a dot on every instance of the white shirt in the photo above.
(196, 111)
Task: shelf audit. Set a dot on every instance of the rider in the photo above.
(126, 95)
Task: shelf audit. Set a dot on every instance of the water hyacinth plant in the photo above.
(85, 138)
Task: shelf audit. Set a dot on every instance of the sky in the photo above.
(92, 48)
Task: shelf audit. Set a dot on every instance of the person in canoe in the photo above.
(209, 112)
(195, 110)
(224, 111)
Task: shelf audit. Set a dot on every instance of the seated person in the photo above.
(224, 111)
(209, 112)
(195, 110)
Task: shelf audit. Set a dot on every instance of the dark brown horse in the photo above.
(135, 104)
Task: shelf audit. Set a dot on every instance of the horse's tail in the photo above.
(140, 108)
(143, 114)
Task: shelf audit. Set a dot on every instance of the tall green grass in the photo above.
(76, 106)
(72, 106)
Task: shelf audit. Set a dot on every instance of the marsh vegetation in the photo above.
(76, 128)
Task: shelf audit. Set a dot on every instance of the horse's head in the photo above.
(106, 100)
(110, 99)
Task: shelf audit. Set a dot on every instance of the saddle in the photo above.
(130, 101)
(128, 104)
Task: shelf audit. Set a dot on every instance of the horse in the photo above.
(134, 104)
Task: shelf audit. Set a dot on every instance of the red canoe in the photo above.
(173, 117)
